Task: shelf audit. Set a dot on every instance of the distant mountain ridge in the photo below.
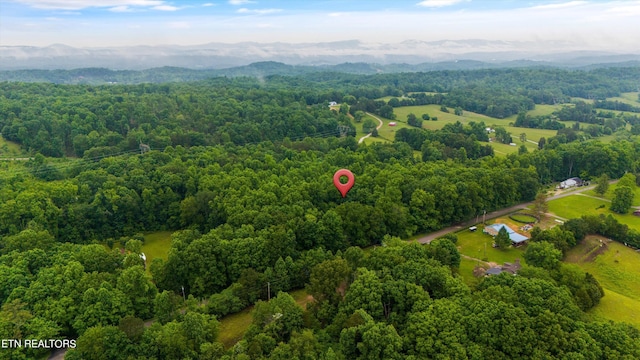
(97, 75)
(223, 55)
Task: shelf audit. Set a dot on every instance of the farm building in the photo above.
(637, 212)
(571, 182)
(333, 103)
(392, 124)
(516, 239)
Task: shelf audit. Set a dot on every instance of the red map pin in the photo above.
(343, 188)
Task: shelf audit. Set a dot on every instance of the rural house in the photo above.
(516, 239)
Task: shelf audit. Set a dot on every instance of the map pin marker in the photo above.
(343, 188)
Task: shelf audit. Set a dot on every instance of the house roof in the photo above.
(513, 235)
(493, 271)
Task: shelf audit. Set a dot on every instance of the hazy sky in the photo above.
(96, 23)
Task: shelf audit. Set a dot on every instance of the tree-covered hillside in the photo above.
(241, 171)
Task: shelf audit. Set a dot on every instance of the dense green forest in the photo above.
(242, 170)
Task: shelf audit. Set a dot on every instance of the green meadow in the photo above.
(156, 245)
(630, 98)
(616, 267)
(9, 148)
(574, 206)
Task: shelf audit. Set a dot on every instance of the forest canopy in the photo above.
(240, 171)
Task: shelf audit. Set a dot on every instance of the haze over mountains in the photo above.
(224, 55)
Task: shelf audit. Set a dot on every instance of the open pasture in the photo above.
(630, 98)
(616, 267)
(574, 206)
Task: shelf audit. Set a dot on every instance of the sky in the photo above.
(590, 24)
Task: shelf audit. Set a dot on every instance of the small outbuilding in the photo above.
(571, 182)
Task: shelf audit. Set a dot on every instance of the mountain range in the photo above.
(224, 55)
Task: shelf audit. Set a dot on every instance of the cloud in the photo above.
(240, 2)
(165, 8)
(438, 3)
(208, 4)
(119, 5)
(558, 5)
(258, 11)
(121, 8)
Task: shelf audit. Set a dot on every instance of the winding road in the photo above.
(377, 128)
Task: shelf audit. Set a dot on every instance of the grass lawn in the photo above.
(156, 244)
(476, 244)
(466, 271)
(574, 206)
(233, 326)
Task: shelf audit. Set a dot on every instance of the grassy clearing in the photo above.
(156, 245)
(233, 326)
(616, 267)
(466, 271)
(541, 110)
(9, 148)
(630, 98)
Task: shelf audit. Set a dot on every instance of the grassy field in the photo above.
(616, 267)
(574, 206)
(233, 326)
(9, 148)
(156, 245)
(630, 98)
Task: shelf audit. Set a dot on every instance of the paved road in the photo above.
(492, 215)
(380, 123)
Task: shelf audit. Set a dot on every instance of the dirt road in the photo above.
(380, 123)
